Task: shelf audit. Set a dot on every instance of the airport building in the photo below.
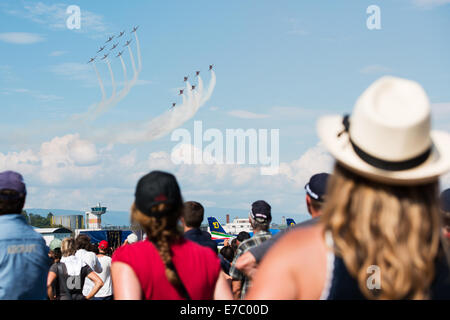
(71, 222)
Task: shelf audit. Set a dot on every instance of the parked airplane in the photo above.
(219, 234)
(290, 222)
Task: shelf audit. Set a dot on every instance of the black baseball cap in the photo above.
(155, 188)
(317, 186)
(261, 211)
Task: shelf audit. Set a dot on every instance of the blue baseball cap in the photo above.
(317, 186)
(10, 180)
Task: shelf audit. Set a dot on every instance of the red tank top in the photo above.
(197, 266)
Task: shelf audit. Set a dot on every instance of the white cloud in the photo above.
(430, 3)
(21, 37)
(35, 94)
(57, 53)
(247, 114)
(54, 16)
(440, 109)
(295, 28)
(69, 172)
(375, 69)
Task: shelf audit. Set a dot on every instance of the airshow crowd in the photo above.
(379, 226)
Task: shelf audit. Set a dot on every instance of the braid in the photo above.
(162, 232)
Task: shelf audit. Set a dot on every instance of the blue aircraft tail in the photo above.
(290, 222)
(215, 226)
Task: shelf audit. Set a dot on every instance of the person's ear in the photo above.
(308, 203)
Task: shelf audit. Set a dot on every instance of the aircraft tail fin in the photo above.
(290, 222)
(215, 225)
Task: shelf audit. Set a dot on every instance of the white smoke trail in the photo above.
(112, 79)
(161, 125)
(124, 68)
(138, 51)
(100, 82)
(132, 60)
(211, 87)
(95, 110)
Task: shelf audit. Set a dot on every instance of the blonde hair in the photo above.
(393, 227)
(162, 232)
(67, 247)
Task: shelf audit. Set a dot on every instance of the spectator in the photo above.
(69, 275)
(192, 219)
(83, 249)
(55, 251)
(165, 265)
(260, 217)
(379, 234)
(226, 256)
(132, 238)
(241, 237)
(105, 293)
(234, 244)
(315, 196)
(24, 259)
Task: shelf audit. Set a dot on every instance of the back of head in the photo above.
(83, 241)
(12, 192)
(193, 214)
(242, 236)
(228, 253)
(316, 190)
(157, 208)
(393, 227)
(382, 200)
(260, 215)
(68, 247)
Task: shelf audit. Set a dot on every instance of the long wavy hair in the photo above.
(163, 232)
(396, 228)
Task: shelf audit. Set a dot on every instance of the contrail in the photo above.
(136, 132)
(132, 59)
(100, 82)
(211, 87)
(112, 79)
(94, 111)
(124, 68)
(138, 50)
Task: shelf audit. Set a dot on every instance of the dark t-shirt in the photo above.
(203, 238)
(69, 284)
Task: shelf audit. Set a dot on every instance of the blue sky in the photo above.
(279, 65)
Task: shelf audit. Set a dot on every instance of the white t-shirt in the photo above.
(105, 275)
(90, 259)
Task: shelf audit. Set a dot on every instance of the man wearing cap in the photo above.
(105, 292)
(260, 217)
(315, 195)
(23, 252)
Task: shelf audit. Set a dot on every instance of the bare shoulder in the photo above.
(300, 255)
(299, 242)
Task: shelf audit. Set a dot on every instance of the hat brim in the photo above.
(341, 149)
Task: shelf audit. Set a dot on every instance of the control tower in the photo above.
(94, 217)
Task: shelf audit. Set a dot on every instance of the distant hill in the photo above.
(122, 218)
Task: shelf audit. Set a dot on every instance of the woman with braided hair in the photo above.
(165, 266)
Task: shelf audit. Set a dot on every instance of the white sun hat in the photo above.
(388, 137)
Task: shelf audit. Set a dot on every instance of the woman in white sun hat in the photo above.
(379, 235)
